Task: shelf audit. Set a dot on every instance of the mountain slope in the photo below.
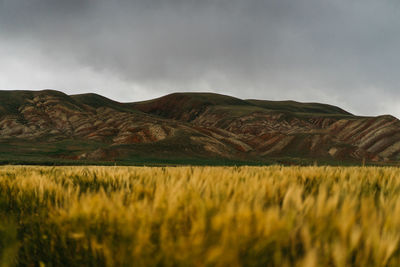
(297, 107)
(187, 127)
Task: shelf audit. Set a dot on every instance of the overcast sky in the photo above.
(342, 52)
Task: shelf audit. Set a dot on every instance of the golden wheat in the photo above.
(200, 216)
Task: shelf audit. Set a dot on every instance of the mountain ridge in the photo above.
(189, 128)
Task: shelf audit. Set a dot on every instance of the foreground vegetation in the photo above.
(199, 216)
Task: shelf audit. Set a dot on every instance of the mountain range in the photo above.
(50, 127)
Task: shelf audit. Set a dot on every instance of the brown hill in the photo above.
(52, 127)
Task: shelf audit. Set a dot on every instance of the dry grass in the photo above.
(200, 216)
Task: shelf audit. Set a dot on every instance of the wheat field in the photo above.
(199, 216)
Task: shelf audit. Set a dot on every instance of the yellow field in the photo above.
(199, 216)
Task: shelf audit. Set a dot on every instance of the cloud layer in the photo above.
(340, 52)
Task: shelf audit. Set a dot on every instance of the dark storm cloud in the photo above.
(339, 51)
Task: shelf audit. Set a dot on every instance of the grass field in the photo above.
(199, 216)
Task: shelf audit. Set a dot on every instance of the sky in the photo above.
(341, 52)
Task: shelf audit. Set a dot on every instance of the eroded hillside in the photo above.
(188, 126)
